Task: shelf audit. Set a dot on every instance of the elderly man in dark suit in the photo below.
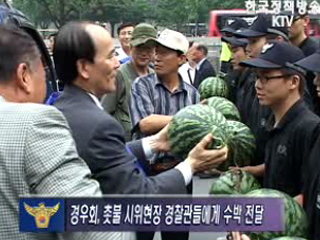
(38, 154)
(85, 62)
(204, 68)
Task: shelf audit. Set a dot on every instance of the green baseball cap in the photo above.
(142, 33)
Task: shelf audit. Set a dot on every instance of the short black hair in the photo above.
(302, 83)
(72, 43)
(274, 36)
(203, 49)
(16, 47)
(124, 25)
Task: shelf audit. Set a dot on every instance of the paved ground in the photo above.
(201, 187)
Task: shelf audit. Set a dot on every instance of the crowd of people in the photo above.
(107, 131)
(276, 88)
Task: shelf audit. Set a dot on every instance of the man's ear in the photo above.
(83, 68)
(23, 78)
(182, 59)
(295, 82)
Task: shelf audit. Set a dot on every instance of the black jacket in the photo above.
(206, 70)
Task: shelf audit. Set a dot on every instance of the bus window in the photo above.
(313, 29)
(219, 18)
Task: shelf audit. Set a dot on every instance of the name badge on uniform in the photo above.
(282, 150)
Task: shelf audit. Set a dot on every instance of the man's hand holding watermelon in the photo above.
(256, 171)
(199, 158)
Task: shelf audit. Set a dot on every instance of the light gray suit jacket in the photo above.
(38, 156)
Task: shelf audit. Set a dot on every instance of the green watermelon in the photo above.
(241, 142)
(213, 86)
(289, 238)
(296, 223)
(234, 182)
(191, 124)
(226, 107)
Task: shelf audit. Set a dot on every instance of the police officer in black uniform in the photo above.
(235, 73)
(311, 191)
(252, 114)
(291, 127)
(299, 38)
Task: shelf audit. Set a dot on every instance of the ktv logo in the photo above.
(42, 215)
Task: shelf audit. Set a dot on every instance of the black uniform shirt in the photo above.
(308, 46)
(288, 148)
(245, 93)
(311, 190)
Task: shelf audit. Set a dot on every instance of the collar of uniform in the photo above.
(200, 63)
(182, 86)
(2, 99)
(96, 100)
(303, 42)
(289, 116)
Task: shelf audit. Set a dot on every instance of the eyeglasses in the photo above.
(265, 79)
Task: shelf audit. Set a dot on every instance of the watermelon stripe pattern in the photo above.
(213, 86)
(242, 143)
(226, 107)
(234, 182)
(191, 124)
(296, 223)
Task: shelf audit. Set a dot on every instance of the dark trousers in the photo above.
(166, 235)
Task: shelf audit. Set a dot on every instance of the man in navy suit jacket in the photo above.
(204, 68)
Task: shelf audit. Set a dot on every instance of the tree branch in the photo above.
(54, 18)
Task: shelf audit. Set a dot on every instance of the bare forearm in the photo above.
(299, 199)
(154, 123)
(257, 171)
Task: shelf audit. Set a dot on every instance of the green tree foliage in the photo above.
(170, 13)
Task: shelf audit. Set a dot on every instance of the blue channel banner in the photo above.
(200, 214)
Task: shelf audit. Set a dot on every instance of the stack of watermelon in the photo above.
(193, 123)
(218, 116)
(295, 219)
(213, 86)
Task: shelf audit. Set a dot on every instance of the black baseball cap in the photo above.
(310, 63)
(261, 27)
(281, 31)
(258, 28)
(234, 41)
(277, 55)
(233, 24)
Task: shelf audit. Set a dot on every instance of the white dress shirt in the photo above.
(187, 73)
(120, 54)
